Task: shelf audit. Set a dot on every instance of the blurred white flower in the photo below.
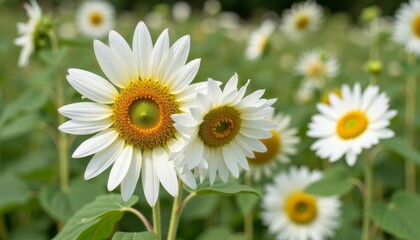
(350, 123)
(407, 26)
(300, 19)
(212, 7)
(290, 213)
(95, 18)
(181, 11)
(67, 30)
(259, 40)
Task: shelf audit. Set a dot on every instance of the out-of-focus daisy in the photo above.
(224, 128)
(134, 125)
(34, 33)
(305, 92)
(259, 40)
(212, 7)
(300, 19)
(317, 66)
(181, 11)
(407, 26)
(67, 30)
(290, 213)
(279, 147)
(351, 123)
(95, 18)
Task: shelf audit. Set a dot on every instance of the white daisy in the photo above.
(317, 66)
(300, 19)
(292, 214)
(279, 147)
(134, 125)
(28, 31)
(224, 128)
(351, 123)
(95, 18)
(259, 40)
(407, 26)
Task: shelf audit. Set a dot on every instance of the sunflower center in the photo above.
(96, 18)
(300, 207)
(142, 114)
(352, 125)
(302, 22)
(220, 126)
(273, 145)
(415, 26)
(316, 69)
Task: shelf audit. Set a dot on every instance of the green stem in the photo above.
(3, 228)
(410, 112)
(156, 220)
(373, 53)
(141, 217)
(367, 196)
(249, 217)
(175, 214)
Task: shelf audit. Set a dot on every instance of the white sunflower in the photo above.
(95, 18)
(224, 128)
(407, 26)
(301, 19)
(350, 123)
(280, 146)
(28, 31)
(135, 130)
(259, 40)
(292, 214)
(317, 66)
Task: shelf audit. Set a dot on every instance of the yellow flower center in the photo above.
(316, 69)
(142, 114)
(300, 207)
(302, 22)
(352, 125)
(415, 25)
(96, 18)
(220, 126)
(273, 145)
(326, 96)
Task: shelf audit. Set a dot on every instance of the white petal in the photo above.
(128, 185)
(92, 86)
(86, 111)
(178, 56)
(165, 171)
(230, 161)
(159, 55)
(142, 48)
(351, 158)
(123, 51)
(184, 76)
(96, 143)
(149, 178)
(84, 128)
(120, 168)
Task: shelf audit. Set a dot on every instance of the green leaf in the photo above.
(221, 232)
(229, 188)
(19, 126)
(335, 181)
(96, 218)
(246, 202)
(134, 236)
(400, 147)
(53, 58)
(400, 217)
(13, 192)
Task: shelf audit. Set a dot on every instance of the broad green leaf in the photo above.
(13, 191)
(222, 232)
(335, 181)
(400, 147)
(246, 202)
(134, 236)
(100, 214)
(200, 207)
(52, 57)
(19, 126)
(400, 217)
(229, 188)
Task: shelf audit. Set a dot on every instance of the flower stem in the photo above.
(176, 213)
(367, 196)
(141, 217)
(249, 217)
(3, 228)
(410, 112)
(156, 220)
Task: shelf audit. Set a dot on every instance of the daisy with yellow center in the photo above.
(407, 26)
(279, 146)
(259, 40)
(223, 129)
(351, 123)
(290, 213)
(95, 18)
(300, 19)
(135, 130)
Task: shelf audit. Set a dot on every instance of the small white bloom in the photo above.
(279, 147)
(212, 7)
(292, 214)
(300, 19)
(350, 123)
(95, 18)
(407, 26)
(224, 129)
(260, 40)
(181, 11)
